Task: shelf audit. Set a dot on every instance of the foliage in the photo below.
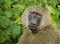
(10, 17)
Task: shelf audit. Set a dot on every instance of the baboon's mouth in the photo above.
(33, 29)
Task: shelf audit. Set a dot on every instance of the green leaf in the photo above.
(17, 11)
(15, 30)
(22, 7)
(56, 15)
(50, 9)
(18, 20)
(27, 2)
(4, 22)
(53, 3)
(9, 13)
(59, 7)
(2, 37)
(1, 1)
(8, 3)
(8, 31)
(1, 13)
(58, 24)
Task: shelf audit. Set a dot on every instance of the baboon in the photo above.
(38, 28)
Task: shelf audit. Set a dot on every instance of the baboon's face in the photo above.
(34, 21)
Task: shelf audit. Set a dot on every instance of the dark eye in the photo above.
(29, 16)
(39, 19)
(34, 16)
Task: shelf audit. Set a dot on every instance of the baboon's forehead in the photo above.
(34, 13)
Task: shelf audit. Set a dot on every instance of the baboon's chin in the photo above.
(34, 31)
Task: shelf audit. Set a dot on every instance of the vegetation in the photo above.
(10, 17)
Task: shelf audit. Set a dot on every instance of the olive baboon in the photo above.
(38, 28)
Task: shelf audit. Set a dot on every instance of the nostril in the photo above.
(32, 23)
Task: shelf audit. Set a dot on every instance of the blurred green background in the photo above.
(10, 17)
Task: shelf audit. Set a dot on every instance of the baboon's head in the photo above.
(35, 18)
